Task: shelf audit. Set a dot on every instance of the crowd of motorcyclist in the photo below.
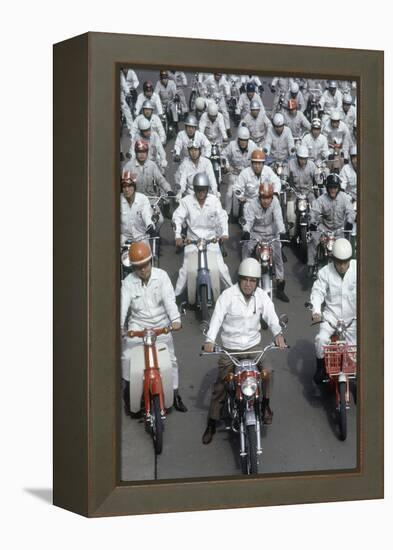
(311, 132)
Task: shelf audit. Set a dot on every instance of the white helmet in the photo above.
(332, 84)
(342, 249)
(243, 133)
(302, 152)
(255, 105)
(212, 109)
(200, 104)
(250, 268)
(353, 151)
(294, 88)
(278, 120)
(335, 116)
(144, 124)
(347, 99)
(316, 123)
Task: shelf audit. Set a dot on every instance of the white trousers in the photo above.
(222, 267)
(326, 331)
(129, 343)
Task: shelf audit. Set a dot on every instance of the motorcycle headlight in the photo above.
(302, 205)
(329, 245)
(265, 256)
(201, 245)
(249, 387)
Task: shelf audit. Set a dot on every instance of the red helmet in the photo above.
(265, 191)
(292, 104)
(139, 253)
(128, 178)
(257, 156)
(141, 146)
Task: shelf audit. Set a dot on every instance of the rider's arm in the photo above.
(146, 210)
(318, 291)
(349, 211)
(221, 126)
(240, 183)
(277, 216)
(222, 218)
(212, 178)
(179, 143)
(169, 299)
(269, 315)
(178, 217)
(217, 319)
(158, 103)
(206, 145)
(159, 178)
(202, 123)
(160, 129)
(316, 211)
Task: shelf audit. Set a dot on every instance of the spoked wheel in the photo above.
(204, 306)
(342, 412)
(157, 425)
(249, 463)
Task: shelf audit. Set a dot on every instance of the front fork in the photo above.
(250, 417)
(342, 378)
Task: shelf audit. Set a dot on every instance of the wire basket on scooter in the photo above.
(340, 358)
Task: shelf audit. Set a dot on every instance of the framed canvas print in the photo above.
(218, 306)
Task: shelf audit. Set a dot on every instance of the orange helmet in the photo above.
(141, 146)
(292, 104)
(127, 177)
(257, 156)
(265, 191)
(139, 253)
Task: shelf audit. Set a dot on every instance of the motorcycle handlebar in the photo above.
(142, 333)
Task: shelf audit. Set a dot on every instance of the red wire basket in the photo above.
(340, 358)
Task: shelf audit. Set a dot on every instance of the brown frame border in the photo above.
(86, 301)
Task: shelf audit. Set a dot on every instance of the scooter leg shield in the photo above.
(136, 366)
(214, 273)
(166, 372)
(192, 270)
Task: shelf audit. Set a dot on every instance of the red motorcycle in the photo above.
(151, 386)
(341, 367)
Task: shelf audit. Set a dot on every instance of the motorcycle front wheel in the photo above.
(204, 306)
(249, 463)
(303, 242)
(157, 424)
(191, 102)
(342, 412)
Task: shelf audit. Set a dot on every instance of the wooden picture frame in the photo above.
(86, 282)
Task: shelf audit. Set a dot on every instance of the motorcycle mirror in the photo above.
(242, 221)
(283, 320)
(308, 305)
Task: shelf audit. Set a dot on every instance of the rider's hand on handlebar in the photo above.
(280, 341)
(208, 347)
(224, 238)
(179, 242)
(176, 325)
(245, 236)
(316, 318)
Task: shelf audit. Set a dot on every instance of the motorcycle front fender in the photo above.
(249, 414)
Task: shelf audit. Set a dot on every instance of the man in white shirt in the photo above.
(335, 287)
(192, 165)
(238, 313)
(316, 142)
(147, 295)
(148, 94)
(205, 219)
(247, 185)
(183, 139)
(348, 174)
(135, 211)
(212, 124)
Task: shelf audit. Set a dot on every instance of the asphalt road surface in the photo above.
(304, 434)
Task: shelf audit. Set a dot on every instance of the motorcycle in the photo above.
(233, 101)
(325, 247)
(280, 168)
(203, 289)
(321, 174)
(336, 158)
(151, 385)
(341, 367)
(313, 109)
(298, 218)
(196, 91)
(171, 116)
(215, 159)
(243, 404)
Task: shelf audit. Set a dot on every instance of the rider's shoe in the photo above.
(280, 294)
(209, 432)
(178, 403)
(267, 413)
(320, 372)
